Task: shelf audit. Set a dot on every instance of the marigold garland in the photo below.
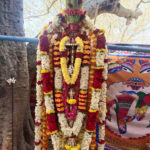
(63, 61)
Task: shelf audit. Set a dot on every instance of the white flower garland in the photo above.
(58, 78)
(49, 103)
(102, 105)
(38, 107)
(68, 131)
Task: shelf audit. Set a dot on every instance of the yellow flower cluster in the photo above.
(50, 112)
(66, 76)
(101, 50)
(49, 93)
(45, 71)
(63, 61)
(68, 147)
(80, 44)
(71, 101)
(43, 53)
(62, 43)
(93, 110)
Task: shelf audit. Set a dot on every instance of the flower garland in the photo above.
(70, 114)
(38, 108)
(102, 105)
(92, 63)
(63, 60)
(48, 92)
(68, 131)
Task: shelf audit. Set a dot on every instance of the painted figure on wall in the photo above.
(130, 84)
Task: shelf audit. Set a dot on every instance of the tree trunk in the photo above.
(13, 63)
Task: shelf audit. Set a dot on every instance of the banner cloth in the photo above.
(128, 103)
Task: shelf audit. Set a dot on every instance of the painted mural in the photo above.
(128, 102)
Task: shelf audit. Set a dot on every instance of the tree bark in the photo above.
(13, 63)
(109, 6)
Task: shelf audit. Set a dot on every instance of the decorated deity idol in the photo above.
(71, 83)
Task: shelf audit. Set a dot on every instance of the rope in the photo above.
(11, 81)
(12, 94)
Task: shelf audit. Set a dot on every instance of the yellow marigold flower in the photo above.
(56, 43)
(86, 42)
(53, 132)
(45, 71)
(86, 62)
(71, 101)
(56, 53)
(86, 57)
(82, 100)
(62, 43)
(49, 93)
(56, 63)
(87, 47)
(80, 43)
(76, 70)
(59, 105)
(56, 58)
(93, 110)
(43, 53)
(82, 96)
(60, 109)
(58, 95)
(96, 89)
(83, 91)
(50, 111)
(93, 36)
(82, 107)
(99, 67)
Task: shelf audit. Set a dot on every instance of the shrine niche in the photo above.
(71, 83)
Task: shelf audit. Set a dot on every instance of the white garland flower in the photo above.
(95, 100)
(39, 94)
(64, 125)
(105, 71)
(38, 108)
(100, 56)
(38, 147)
(38, 112)
(87, 138)
(56, 141)
(102, 106)
(37, 133)
(68, 131)
(84, 78)
(45, 62)
(78, 123)
(49, 102)
(58, 78)
(101, 146)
